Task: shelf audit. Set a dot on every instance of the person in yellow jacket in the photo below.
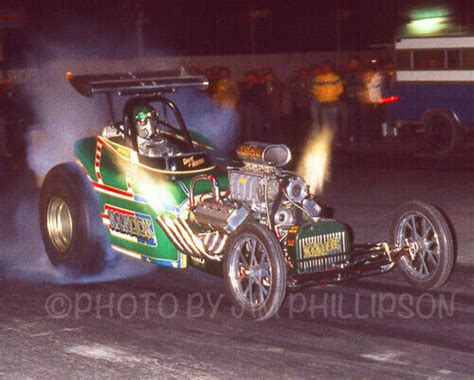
(327, 89)
(226, 92)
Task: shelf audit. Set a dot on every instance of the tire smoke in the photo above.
(62, 116)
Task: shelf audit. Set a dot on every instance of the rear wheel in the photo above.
(443, 132)
(71, 225)
(255, 271)
(433, 260)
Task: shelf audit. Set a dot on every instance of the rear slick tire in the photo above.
(71, 225)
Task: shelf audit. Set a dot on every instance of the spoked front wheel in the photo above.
(255, 271)
(432, 260)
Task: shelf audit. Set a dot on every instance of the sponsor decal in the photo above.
(198, 260)
(130, 225)
(314, 249)
(248, 151)
(192, 162)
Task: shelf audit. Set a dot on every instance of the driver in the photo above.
(151, 140)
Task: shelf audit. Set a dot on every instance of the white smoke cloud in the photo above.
(219, 124)
(62, 116)
(23, 254)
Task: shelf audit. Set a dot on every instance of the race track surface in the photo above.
(162, 322)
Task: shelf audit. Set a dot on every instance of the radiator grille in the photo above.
(321, 253)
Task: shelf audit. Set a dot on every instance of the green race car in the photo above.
(151, 189)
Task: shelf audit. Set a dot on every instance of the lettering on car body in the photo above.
(192, 162)
(315, 249)
(135, 225)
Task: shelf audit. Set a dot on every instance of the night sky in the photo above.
(106, 28)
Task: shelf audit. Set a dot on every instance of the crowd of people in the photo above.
(271, 109)
(351, 102)
(347, 101)
(257, 99)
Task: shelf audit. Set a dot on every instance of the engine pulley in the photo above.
(297, 189)
(284, 217)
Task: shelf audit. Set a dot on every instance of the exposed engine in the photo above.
(259, 190)
(277, 198)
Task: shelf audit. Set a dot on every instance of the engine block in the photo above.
(249, 187)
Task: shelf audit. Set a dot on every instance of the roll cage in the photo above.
(142, 87)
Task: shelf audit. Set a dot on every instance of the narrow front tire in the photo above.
(433, 261)
(255, 271)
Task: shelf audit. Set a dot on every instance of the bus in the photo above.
(434, 88)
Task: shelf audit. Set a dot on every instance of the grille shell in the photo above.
(321, 252)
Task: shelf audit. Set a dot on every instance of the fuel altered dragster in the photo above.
(151, 189)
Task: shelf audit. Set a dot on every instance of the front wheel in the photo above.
(434, 258)
(255, 271)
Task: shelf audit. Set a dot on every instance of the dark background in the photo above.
(107, 28)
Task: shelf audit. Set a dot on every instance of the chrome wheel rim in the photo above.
(59, 224)
(417, 228)
(250, 271)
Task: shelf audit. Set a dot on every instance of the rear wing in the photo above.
(147, 83)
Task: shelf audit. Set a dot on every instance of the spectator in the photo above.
(16, 115)
(194, 70)
(301, 102)
(249, 107)
(272, 105)
(226, 93)
(212, 75)
(388, 69)
(314, 71)
(371, 95)
(4, 149)
(351, 106)
(327, 90)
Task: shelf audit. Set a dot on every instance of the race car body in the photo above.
(132, 195)
(152, 190)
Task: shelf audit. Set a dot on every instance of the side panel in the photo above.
(132, 196)
(132, 226)
(416, 98)
(84, 150)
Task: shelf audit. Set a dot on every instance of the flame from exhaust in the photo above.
(314, 165)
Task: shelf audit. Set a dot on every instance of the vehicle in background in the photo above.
(434, 88)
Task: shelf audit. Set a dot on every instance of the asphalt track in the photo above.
(181, 324)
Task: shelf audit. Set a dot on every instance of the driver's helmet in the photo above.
(144, 117)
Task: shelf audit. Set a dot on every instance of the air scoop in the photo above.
(276, 155)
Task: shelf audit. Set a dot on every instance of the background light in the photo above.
(430, 21)
(428, 25)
